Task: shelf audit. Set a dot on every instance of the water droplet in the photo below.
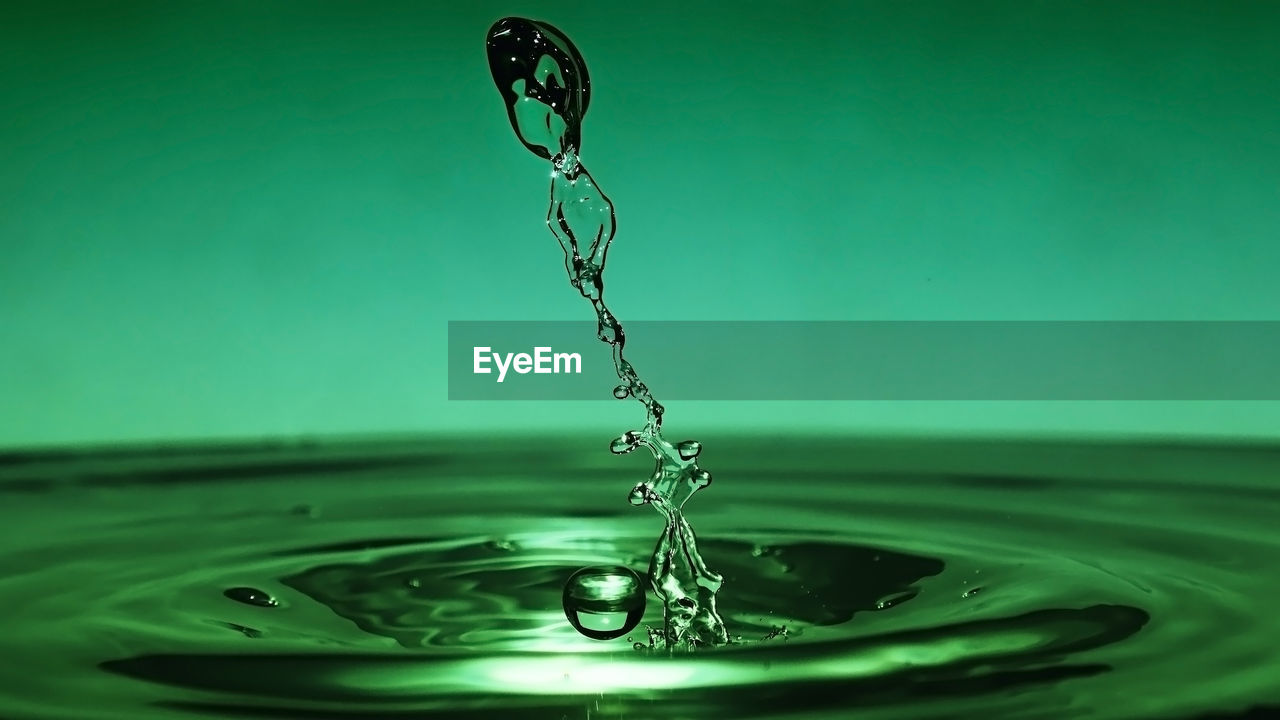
(413, 583)
(604, 602)
(502, 545)
(639, 647)
(244, 630)
(639, 494)
(894, 599)
(624, 443)
(251, 596)
(701, 478)
(621, 392)
(689, 449)
(972, 591)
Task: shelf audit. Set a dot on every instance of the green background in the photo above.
(247, 219)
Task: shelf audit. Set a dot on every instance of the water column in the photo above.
(546, 90)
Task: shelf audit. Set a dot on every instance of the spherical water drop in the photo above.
(251, 596)
(621, 392)
(604, 602)
(701, 478)
(624, 443)
(689, 449)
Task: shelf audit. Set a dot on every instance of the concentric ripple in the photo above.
(926, 579)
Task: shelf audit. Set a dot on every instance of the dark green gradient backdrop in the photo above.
(239, 219)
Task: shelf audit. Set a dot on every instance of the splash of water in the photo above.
(546, 89)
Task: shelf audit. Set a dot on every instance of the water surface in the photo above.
(867, 578)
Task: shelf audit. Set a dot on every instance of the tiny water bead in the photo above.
(251, 596)
(604, 602)
(624, 444)
(895, 599)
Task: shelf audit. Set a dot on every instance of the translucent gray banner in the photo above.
(898, 360)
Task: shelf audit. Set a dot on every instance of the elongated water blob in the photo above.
(546, 89)
(543, 81)
(251, 596)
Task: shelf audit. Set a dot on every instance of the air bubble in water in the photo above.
(604, 603)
